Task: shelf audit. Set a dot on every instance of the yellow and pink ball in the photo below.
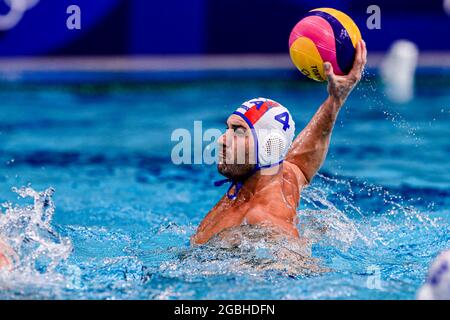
(324, 35)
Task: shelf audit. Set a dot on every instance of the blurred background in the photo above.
(148, 27)
(185, 37)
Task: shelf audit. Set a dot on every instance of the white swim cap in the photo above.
(273, 129)
(437, 286)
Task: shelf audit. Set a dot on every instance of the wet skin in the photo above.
(5, 262)
(271, 196)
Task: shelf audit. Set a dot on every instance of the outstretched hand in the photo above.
(339, 87)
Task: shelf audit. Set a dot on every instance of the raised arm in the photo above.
(309, 149)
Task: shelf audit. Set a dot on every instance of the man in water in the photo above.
(265, 187)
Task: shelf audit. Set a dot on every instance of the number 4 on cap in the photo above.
(283, 118)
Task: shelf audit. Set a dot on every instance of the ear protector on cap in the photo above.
(272, 148)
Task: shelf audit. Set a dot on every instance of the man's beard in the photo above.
(235, 171)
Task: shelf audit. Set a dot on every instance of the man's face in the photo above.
(236, 149)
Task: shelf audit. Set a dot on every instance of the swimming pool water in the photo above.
(124, 213)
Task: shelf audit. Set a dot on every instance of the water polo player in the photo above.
(265, 188)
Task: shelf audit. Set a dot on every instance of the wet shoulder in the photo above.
(293, 175)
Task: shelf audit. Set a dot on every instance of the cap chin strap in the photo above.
(235, 183)
(239, 183)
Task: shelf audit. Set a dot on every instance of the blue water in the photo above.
(119, 221)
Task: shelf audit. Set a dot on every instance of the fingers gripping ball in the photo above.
(325, 34)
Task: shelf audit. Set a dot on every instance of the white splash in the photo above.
(38, 248)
